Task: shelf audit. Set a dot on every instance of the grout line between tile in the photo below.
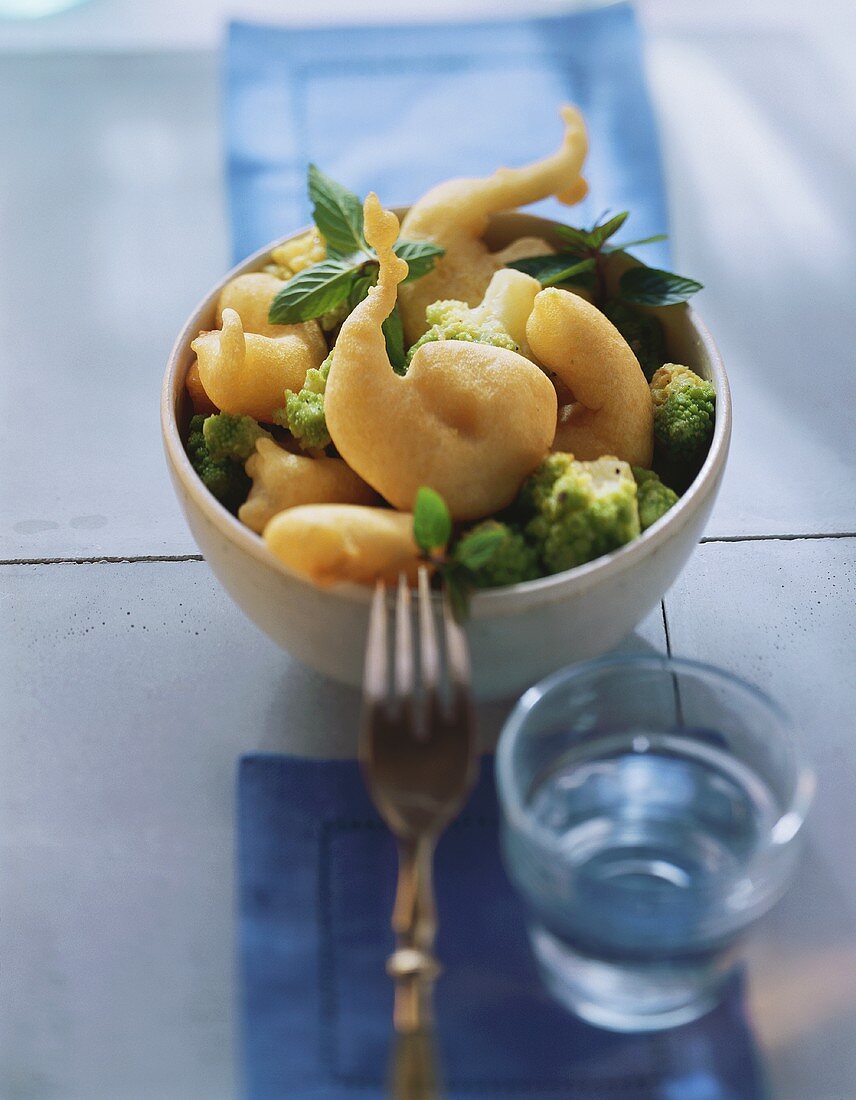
(666, 628)
(777, 538)
(105, 560)
(131, 559)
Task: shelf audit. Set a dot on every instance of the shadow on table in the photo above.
(803, 962)
(313, 716)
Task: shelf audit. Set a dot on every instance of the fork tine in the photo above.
(429, 661)
(375, 675)
(429, 657)
(458, 662)
(404, 671)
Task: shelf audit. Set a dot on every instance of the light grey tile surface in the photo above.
(112, 228)
(763, 212)
(129, 695)
(783, 614)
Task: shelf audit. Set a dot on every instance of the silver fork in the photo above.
(419, 759)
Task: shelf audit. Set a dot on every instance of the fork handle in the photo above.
(414, 922)
(414, 1072)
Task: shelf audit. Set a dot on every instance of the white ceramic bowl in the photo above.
(517, 634)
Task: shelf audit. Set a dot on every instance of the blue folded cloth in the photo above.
(396, 109)
(316, 881)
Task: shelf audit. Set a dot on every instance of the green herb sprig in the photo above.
(351, 267)
(432, 532)
(585, 258)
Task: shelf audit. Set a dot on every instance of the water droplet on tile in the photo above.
(88, 523)
(35, 526)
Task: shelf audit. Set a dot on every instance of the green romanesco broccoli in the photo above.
(653, 497)
(684, 409)
(234, 437)
(224, 477)
(535, 493)
(642, 331)
(499, 319)
(452, 320)
(495, 554)
(589, 510)
(303, 414)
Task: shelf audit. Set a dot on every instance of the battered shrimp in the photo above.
(455, 215)
(611, 412)
(470, 420)
(246, 373)
(330, 543)
(283, 480)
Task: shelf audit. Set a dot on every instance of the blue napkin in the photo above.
(396, 109)
(316, 881)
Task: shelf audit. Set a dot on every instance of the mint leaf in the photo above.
(478, 548)
(576, 274)
(420, 255)
(338, 214)
(601, 233)
(560, 267)
(634, 244)
(393, 331)
(579, 239)
(351, 266)
(360, 287)
(649, 286)
(432, 524)
(313, 291)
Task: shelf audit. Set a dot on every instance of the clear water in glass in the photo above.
(651, 809)
(649, 824)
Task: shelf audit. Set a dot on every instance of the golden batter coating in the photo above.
(455, 215)
(611, 412)
(331, 543)
(471, 421)
(284, 480)
(246, 373)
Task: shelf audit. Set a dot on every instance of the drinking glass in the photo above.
(651, 811)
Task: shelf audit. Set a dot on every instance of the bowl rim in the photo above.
(486, 602)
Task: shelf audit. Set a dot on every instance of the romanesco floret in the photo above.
(642, 331)
(228, 436)
(223, 477)
(303, 414)
(452, 320)
(538, 487)
(653, 497)
(590, 510)
(684, 409)
(509, 560)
